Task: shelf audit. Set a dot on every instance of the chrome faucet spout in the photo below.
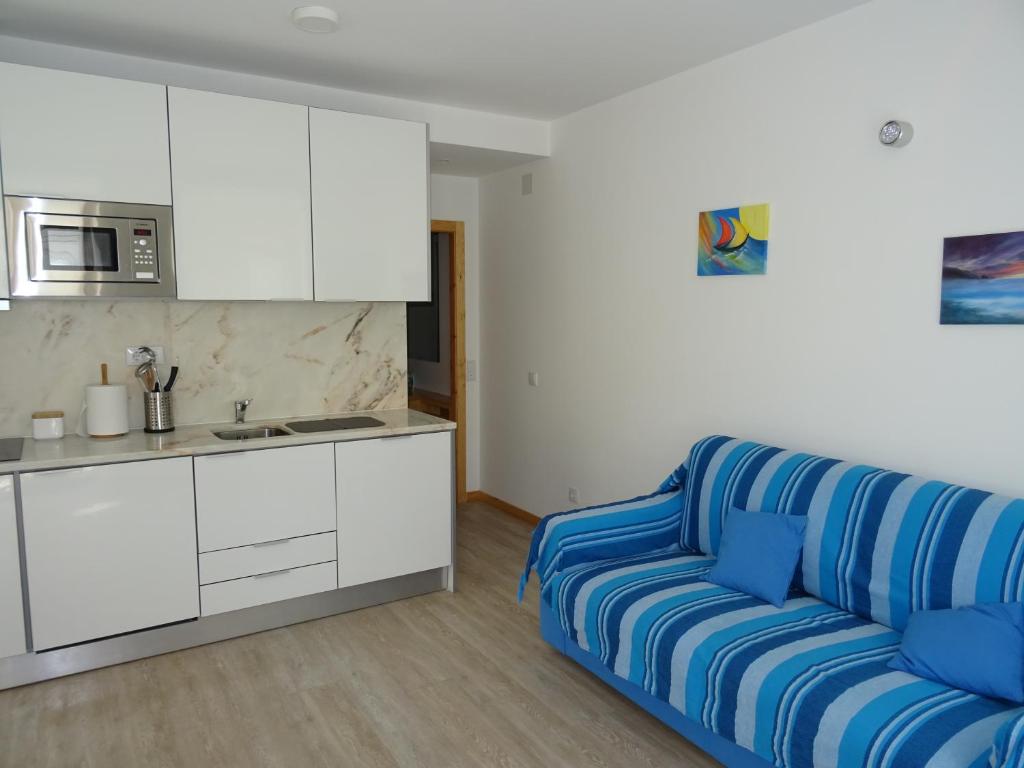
(241, 406)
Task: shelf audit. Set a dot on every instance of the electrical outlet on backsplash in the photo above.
(136, 355)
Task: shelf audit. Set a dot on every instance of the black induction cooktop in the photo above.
(332, 425)
(10, 448)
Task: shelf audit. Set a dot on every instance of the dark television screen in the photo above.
(423, 319)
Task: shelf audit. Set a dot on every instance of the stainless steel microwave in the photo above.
(79, 248)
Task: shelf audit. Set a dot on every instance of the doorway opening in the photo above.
(436, 336)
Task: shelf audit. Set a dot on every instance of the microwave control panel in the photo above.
(144, 256)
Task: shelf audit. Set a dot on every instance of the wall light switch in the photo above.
(534, 379)
(132, 356)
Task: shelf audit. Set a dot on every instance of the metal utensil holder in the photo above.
(159, 413)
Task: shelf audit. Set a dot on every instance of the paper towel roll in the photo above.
(106, 409)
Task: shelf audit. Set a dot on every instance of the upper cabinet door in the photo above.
(371, 226)
(241, 197)
(83, 137)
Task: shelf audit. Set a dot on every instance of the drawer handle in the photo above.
(270, 543)
(272, 573)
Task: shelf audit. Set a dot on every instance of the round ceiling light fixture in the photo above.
(896, 133)
(315, 18)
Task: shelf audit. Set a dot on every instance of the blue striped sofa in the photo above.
(807, 685)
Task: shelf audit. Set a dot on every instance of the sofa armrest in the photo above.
(1008, 749)
(624, 528)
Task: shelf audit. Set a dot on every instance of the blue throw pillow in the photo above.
(758, 554)
(979, 649)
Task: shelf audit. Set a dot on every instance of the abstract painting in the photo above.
(983, 279)
(733, 241)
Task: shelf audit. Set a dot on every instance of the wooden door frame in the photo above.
(456, 231)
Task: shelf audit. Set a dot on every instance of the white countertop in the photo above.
(198, 439)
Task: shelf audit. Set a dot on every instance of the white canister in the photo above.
(48, 425)
(106, 410)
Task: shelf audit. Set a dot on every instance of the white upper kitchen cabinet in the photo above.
(241, 197)
(12, 617)
(83, 137)
(109, 549)
(371, 220)
(394, 506)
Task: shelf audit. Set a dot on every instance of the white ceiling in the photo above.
(535, 58)
(457, 160)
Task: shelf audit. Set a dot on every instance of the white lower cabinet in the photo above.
(109, 549)
(394, 506)
(122, 547)
(12, 616)
(250, 497)
(267, 522)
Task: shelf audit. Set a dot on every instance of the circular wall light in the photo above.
(896, 133)
(315, 18)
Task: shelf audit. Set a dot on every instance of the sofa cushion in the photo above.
(759, 554)
(879, 544)
(806, 686)
(979, 648)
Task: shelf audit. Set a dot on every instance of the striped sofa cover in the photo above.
(807, 685)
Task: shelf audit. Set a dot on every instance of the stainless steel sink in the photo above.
(253, 433)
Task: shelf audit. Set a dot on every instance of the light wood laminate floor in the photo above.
(443, 680)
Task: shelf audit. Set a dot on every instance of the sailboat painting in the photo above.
(983, 280)
(733, 241)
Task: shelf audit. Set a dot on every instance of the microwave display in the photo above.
(79, 249)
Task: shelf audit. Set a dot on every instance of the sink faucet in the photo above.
(240, 408)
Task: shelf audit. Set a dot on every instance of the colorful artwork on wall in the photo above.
(983, 279)
(733, 241)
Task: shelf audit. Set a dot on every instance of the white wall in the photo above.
(591, 280)
(448, 125)
(456, 198)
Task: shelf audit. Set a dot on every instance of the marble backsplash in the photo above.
(292, 358)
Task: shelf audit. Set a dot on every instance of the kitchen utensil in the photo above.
(159, 412)
(140, 374)
(171, 379)
(146, 375)
(48, 425)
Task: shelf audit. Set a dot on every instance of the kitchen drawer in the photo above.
(267, 588)
(264, 495)
(266, 557)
